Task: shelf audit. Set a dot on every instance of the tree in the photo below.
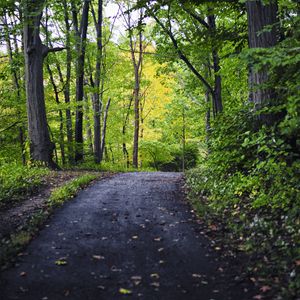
(80, 34)
(263, 33)
(41, 147)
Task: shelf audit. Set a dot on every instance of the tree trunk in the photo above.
(41, 147)
(89, 135)
(137, 66)
(98, 151)
(136, 95)
(104, 129)
(81, 43)
(261, 15)
(61, 119)
(217, 92)
(67, 85)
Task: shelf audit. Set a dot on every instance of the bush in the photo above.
(191, 154)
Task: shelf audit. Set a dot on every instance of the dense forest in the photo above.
(211, 87)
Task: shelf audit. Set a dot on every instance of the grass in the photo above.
(69, 190)
(109, 167)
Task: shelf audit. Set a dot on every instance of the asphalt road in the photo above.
(130, 236)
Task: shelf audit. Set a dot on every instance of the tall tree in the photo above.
(81, 34)
(262, 33)
(97, 94)
(41, 147)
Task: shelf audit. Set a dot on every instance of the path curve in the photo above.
(130, 233)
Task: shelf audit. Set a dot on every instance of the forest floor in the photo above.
(130, 235)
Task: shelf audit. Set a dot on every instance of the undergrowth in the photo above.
(17, 180)
(250, 184)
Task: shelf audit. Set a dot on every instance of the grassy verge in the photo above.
(17, 180)
(9, 248)
(264, 239)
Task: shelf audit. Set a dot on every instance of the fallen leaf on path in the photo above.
(157, 239)
(125, 291)
(136, 279)
(98, 257)
(265, 288)
(115, 269)
(101, 287)
(154, 275)
(213, 227)
(61, 262)
(23, 274)
(155, 284)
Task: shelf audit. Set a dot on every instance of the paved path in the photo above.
(132, 232)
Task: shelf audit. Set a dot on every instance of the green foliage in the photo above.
(17, 180)
(70, 189)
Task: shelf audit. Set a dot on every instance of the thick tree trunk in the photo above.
(260, 16)
(98, 152)
(41, 147)
(81, 43)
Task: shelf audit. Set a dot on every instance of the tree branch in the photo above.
(182, 56)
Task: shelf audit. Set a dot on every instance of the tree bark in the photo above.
(137, 65)
(98, 152)
(104, 129)
(259, 16)
(81, 43)
(67, 85)
(41, 147)
(217, 92)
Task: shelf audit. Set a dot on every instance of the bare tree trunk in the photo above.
(261, 15)
(88, 125)
(98, 152)
(104, 129)
(217, 92)
(61, 119)
(41, 147)
(67, 85)
(124, 148)
(207, 125)
(81, 43)
(183, 138)
(137, 65)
